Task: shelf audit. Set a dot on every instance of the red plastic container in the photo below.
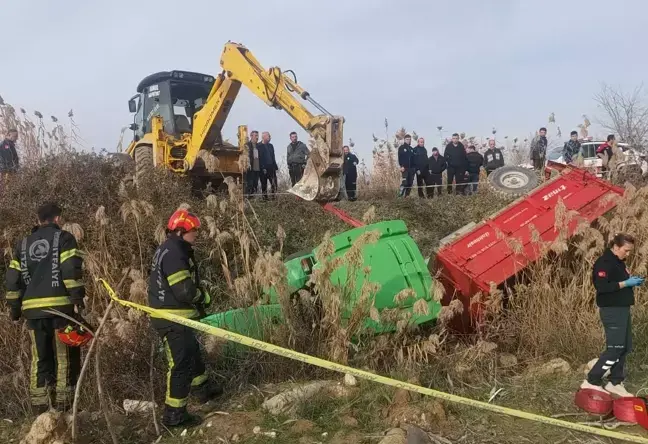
(471, 262)
(594, 402)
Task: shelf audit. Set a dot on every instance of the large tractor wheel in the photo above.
(512, 181)
(143, 161)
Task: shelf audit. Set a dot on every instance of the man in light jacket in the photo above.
(297, 156)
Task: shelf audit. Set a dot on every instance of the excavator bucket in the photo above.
(321, 180)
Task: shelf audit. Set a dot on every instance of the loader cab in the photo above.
(173, 95)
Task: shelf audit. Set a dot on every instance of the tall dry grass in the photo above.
(241, 252)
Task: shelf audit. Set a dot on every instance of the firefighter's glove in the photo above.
(15, 313)
(206, 297)
(634, 281)
(202, 297)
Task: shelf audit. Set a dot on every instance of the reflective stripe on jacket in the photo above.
(45, 273)
(174, 284)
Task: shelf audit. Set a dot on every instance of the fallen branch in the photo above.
(84, 368)
(102, 402)
(155, 421)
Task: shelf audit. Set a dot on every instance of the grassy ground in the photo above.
(551, 316)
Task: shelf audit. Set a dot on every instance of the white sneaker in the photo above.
(619, 390)
(586, 385)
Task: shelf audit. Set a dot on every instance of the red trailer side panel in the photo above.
(502, 245)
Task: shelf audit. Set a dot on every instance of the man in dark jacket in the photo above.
(572, 148)
(350, 171)
(614, 297)
(175, 287)
(45, 273)
(475, 163)
(539, 149)
(455, 155)
(421, 167)
(436, 165)
(268, 165)
(254, 170)
(406, 164)
(9, 162)
(493, 157)
(296, 158)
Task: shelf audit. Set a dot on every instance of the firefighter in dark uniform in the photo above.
(44, 274)
(174, 287)
(350, 173)
(614, 297)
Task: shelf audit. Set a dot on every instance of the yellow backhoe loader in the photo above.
(179, 117)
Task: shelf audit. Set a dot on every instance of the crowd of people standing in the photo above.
(462, 166)
(263, 167)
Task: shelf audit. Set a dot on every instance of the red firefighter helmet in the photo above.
(74, 335)
(183, 219)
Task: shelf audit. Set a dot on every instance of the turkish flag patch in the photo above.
(602, 274)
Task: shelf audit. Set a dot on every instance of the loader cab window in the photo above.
(156, 103)
(187, 98)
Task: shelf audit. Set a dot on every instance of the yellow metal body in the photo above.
(189, 153)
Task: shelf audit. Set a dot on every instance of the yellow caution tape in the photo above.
(290, 354)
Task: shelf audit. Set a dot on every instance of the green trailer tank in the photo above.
(395, 264)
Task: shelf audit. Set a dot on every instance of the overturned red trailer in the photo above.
(475, 257)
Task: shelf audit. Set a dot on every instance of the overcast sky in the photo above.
(468, 65)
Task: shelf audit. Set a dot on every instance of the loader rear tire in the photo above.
(143, 161)
(512, 181)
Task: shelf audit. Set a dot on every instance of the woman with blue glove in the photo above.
(614, 297)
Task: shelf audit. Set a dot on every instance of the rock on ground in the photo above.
(350, 380)
(507, 360)
(287, 401)
(48, 428)
(417, 436)
(557, 366)
(394, 436)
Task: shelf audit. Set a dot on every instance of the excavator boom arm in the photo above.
(276, 89)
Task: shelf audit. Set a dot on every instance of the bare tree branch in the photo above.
(625, 114)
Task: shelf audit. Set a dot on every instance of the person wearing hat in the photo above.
(436, 165)
(175, 287)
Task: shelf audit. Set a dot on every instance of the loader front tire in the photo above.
(143, 161)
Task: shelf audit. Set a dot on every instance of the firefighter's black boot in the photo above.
(207, 391)
(178, 416)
